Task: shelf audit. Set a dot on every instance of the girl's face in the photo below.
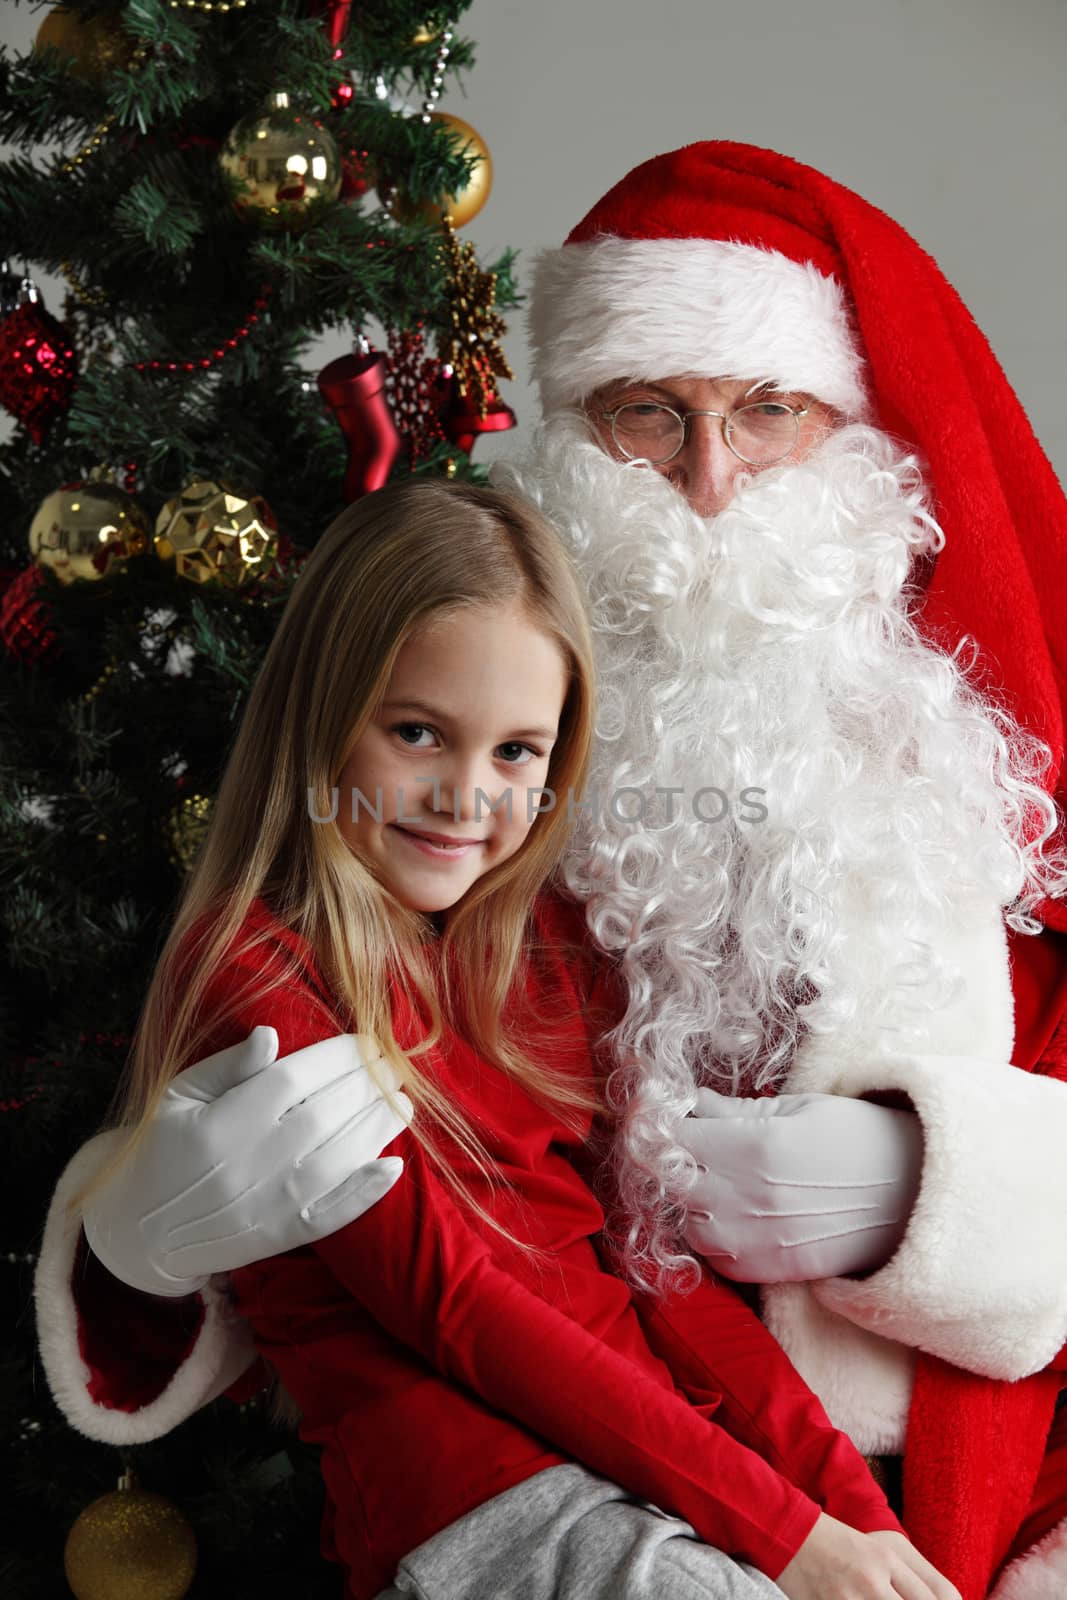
(465, 731)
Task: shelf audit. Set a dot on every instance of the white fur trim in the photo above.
(980, 1277)
(650, 309)
(1039, 1574)
(222, 1351)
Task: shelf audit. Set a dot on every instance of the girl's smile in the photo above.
(437, 846)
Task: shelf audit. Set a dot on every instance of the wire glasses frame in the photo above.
(774, 447)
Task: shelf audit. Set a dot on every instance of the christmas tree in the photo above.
(218, 182)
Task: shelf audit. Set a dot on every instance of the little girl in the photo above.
(499, 1413)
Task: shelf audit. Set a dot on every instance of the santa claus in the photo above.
(824, 556)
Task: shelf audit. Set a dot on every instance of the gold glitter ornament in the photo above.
(217, 535)
(130, 1545)
(466, 203)
(85, 532)
(283, 164)
(186, 828)
(91, 46)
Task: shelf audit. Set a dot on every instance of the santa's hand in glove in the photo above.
(247, 1156)
(799, 1186)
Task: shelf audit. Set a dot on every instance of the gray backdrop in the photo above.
(949, 114)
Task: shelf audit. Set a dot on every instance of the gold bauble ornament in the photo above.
(92, 46)
(282, 163)
(130, 1545)
(88, 531)
(186, 828)
(217, 535)
(425, 33)
(466, 202)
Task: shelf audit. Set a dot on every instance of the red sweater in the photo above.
(438, 1365)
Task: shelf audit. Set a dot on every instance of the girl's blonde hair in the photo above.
(384, 569)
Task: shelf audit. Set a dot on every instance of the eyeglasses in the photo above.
(759, 434)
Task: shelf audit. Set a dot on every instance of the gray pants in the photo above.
(566, 1534)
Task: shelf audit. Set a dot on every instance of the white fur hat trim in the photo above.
(649, 309)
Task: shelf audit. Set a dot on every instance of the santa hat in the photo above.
(723, 260)
(639, 293)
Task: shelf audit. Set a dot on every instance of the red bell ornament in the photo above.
(462, 422)
(354, 389)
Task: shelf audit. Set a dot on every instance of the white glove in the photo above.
(240, 1163)
(799, 1186)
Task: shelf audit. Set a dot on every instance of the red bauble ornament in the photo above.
(38, 367)
(354, 389)
(462, 422)
(26, 619)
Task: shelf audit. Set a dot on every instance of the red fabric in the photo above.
(1048, 1505)
(935, 383)
(157, 1333)
(1039, 984)
(976, 1446)
(437, 1364)
(761, 1403)
(974, 1451)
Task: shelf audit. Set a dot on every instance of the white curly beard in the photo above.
(769, 648)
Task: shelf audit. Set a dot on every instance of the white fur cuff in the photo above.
(222, 1351)
(980, 1278)
(655, 308)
